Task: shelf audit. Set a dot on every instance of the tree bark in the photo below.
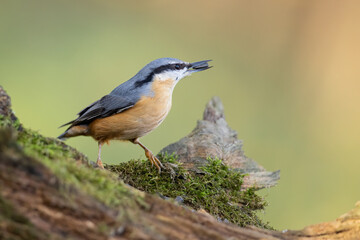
(35, 203)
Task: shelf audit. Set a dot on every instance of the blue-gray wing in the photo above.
(105, 107)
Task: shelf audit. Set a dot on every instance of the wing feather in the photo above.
(105, 107)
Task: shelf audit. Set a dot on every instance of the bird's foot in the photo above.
(154, 160)
(99, 163)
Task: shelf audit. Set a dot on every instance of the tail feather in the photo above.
(62, 137)
(74, 131)
(68, 123)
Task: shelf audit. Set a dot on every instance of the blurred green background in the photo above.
(288, 73)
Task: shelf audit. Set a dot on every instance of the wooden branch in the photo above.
(51, 196)
(212, 137)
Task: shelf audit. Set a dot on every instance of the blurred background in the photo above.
(288, 73)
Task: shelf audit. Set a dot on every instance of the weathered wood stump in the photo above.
(55, 194)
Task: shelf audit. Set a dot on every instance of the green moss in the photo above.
(218, 190)
(59, 158)
(7, 122)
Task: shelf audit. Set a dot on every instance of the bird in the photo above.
(135, 107)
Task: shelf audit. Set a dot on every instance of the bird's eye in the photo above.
(177, 66)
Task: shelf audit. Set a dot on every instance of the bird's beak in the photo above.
(198, 66)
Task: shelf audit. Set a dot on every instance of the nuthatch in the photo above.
(135, 107)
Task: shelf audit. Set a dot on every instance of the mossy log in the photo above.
(48, 190)
(213, 137)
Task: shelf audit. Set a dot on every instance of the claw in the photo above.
(149, 156)
(154, 160)
(99, 163)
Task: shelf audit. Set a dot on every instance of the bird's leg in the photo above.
(152, 158)
(98, 161)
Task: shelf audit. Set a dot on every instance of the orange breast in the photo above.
(142, 118)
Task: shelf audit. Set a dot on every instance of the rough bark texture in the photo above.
(212, 137)
(5, 106)
(37, 204)
(39, 208)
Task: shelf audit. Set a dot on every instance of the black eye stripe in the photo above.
(163, 68)
(174, 66)
(180, 66)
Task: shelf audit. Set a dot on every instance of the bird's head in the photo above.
(175, 69)
(169, 70)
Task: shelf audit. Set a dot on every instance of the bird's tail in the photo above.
(62, 137)
(74, 131)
